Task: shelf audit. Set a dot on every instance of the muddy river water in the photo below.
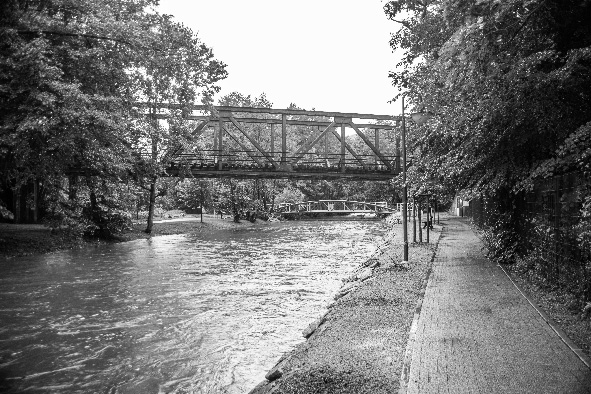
(209, 312)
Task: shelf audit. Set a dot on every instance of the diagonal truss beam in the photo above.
(371, 146)
(179, 147)
(310, 143)
(350, 149)
(243, 147)
(254, 143)
(200, 128)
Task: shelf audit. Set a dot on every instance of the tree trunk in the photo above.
(152, 202)
(93, 204)
(72, 187)
(264, 194)
(95, 215)
(234, 208)
(151, 205)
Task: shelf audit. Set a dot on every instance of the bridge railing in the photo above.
(336, 206)
(235, 160)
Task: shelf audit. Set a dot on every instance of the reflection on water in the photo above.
(204, 313)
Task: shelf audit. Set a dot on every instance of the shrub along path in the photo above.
(478, 333)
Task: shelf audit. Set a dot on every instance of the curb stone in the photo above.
(312, 327)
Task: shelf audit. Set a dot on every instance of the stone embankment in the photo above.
(358, 344)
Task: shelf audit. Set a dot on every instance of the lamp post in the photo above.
(404, 189)
(418, 118)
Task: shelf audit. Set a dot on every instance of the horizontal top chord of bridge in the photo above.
(290, 122)
(258, 110)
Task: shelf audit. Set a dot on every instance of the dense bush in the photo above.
(501, 240)
(105, 220)
(545, 239)
(87, 214)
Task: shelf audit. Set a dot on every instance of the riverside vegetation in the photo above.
(506, 85)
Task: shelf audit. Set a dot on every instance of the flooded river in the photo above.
(197, 313)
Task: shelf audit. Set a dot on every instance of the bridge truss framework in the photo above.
(237, 153)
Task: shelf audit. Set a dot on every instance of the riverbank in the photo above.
(29, 239)
(187, 224)
(359, 344)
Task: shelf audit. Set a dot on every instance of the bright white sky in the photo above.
(331, 55)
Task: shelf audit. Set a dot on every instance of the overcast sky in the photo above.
(331, 55)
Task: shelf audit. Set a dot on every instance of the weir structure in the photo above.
(248, 142)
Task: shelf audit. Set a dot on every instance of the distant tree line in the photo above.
(70, 73)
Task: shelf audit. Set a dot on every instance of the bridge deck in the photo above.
(256, 172)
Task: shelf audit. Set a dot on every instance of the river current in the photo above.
(209, 312)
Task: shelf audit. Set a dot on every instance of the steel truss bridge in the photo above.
(335, 206)
(247, 142)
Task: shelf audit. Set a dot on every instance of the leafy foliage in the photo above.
(98, 210)
(69, 74)
(509, 83)
(64, 85)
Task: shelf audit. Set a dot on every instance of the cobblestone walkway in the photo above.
(477, 334)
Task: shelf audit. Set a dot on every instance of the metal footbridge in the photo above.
(335, 206)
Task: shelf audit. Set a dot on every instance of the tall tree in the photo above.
(70, 74)
(507, 80)
(262, 191)
(65, 87)
(177, 68)
(65, 94)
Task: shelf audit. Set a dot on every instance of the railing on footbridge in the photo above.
(246, 142)
(335, 206)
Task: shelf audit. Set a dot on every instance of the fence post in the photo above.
(556, 225)
(414, 221)
(420, 214)
(428, 218)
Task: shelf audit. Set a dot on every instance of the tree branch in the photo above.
(526, 20)
(79, 35)
(403, 23)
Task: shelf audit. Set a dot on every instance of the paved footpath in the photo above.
(478, 334)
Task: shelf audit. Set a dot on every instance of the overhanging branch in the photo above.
(78, 35)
